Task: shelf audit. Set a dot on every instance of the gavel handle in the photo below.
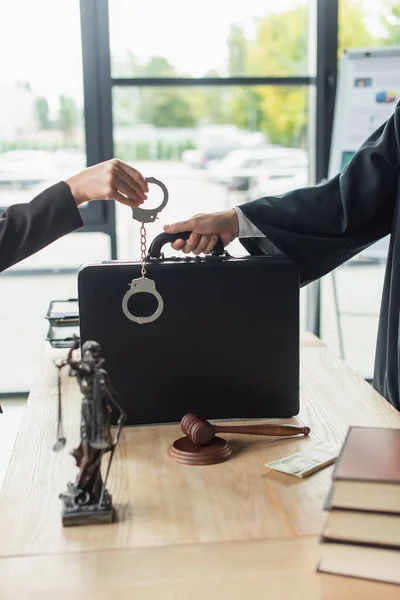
(273, 430)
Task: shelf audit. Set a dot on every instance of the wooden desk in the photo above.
(234, 530)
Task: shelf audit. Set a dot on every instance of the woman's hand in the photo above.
(110, 180)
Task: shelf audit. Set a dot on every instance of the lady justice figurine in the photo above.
(87, 501)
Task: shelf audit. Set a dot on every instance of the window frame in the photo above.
(99, 83)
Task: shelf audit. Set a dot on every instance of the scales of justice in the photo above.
(86, 500)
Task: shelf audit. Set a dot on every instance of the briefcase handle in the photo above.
(168, 238)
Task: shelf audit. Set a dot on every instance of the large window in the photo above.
(42, 141)
(208, 39)
(351, 296)
(215, 99)
(212, 99)
(214, 147)
(41, 97)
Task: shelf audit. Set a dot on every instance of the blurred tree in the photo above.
(158, 66)
(68, 116)
(26, 85)
(211, 104)
(280, 49)
(247, 111)
(124, 64)
(280, 46)
(391, 22)
(125, 99)
(244, 102)
(164, 107)
(237, 49)
(353, 31)
(126, 105)
(42, 113)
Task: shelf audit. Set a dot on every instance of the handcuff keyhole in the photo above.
(142, 304)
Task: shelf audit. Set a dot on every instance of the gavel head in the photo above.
(198, 430)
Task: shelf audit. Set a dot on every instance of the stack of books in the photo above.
(361, 537)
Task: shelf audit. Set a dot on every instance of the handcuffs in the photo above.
(144, 285)
(149, 215)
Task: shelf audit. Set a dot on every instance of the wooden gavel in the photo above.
(202, 433)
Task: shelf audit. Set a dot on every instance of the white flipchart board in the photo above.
(367, 93)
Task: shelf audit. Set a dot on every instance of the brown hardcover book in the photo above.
(360, 561)
(367, 472)
(361, 527)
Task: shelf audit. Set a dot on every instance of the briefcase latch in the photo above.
(142, 286)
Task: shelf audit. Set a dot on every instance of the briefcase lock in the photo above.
(142, 286)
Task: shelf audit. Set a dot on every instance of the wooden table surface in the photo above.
(233, 530)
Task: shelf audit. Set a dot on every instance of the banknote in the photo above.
(307, 461)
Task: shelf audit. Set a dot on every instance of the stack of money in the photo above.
(307, 461)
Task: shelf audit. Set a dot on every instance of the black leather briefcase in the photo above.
(226, 344)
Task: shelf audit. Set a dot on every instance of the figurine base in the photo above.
(89, 514)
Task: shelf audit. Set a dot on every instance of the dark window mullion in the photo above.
(99, 216)
(211, 81)
(326, 58)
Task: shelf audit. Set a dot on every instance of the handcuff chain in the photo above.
(143, 246)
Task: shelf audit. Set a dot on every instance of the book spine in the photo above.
(329, 540)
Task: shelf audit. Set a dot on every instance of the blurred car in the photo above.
(277, 182)
(214, 154)
(253, 138)
(240, 167)
(22, 168)
(231, 163)
(192, 158)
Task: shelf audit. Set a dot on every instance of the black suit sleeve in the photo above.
(321, 227)
(27, 228)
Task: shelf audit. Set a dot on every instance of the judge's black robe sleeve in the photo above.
(27, 228)
(321, 227)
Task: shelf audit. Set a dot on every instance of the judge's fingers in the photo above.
(178, 245)
(180, 226)
(197, 244)
(191, 243)
(212, 242)
(202, 244)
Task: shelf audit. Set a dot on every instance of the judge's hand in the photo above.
(206, 228)
(110, 180)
